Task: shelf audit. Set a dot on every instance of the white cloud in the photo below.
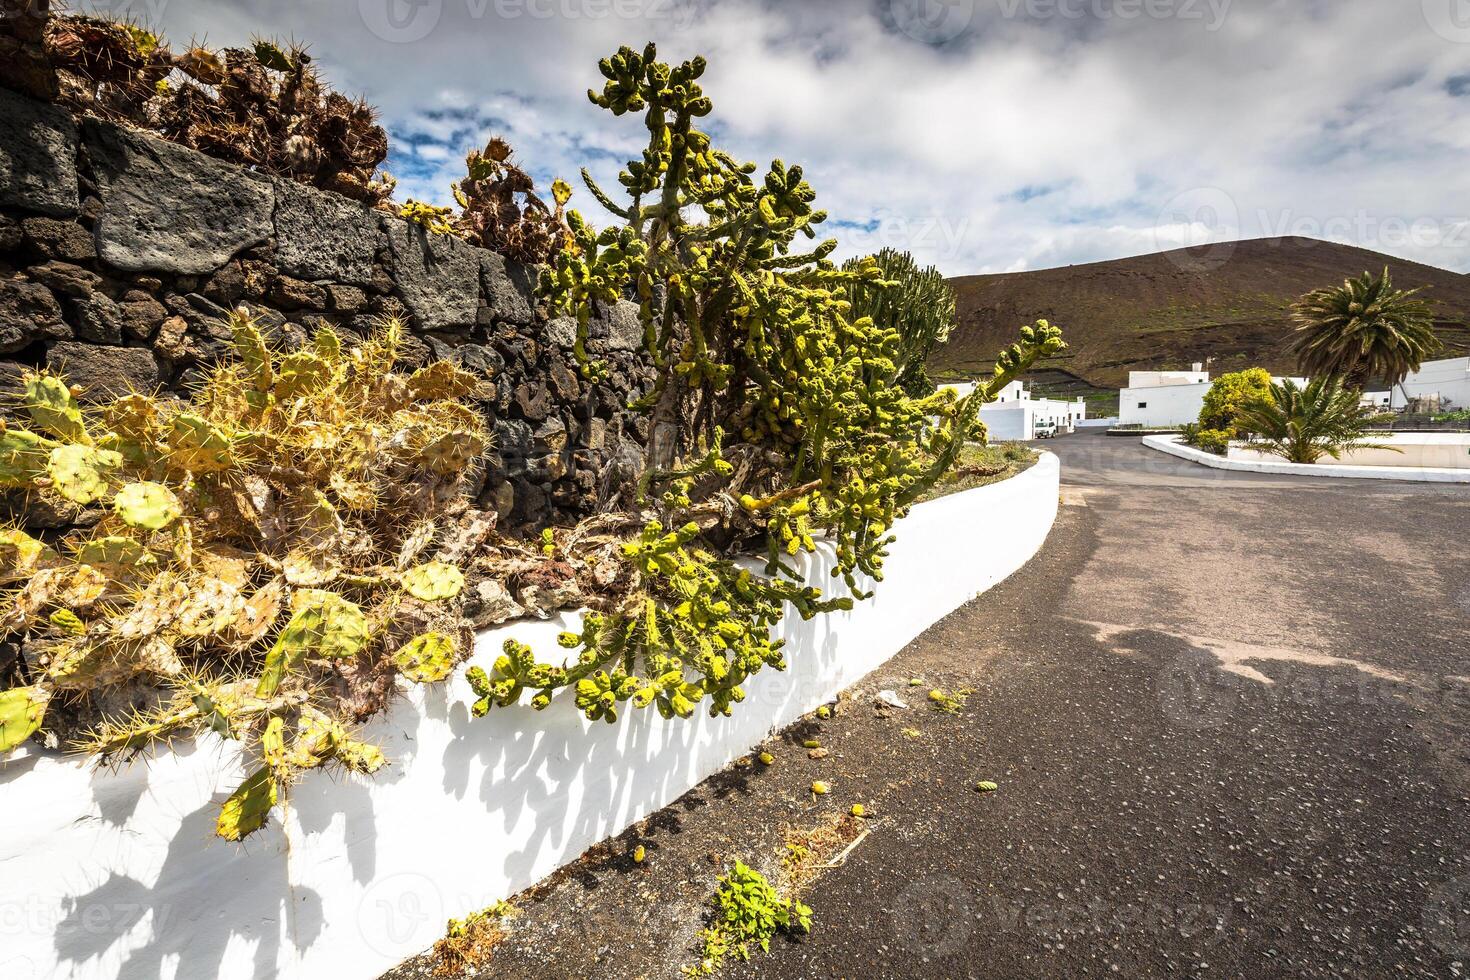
(1017, 142)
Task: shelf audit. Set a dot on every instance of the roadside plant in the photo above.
(1228, 395)
(1215, 441)
(1362, 331)
(775, 418)
(1304, 425)
(915, 302)
(259, 561)
(747, 911)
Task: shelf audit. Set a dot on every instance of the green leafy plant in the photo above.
(256, 563)
(1363, 330)
(775, 418)
(1228, 395)
(1304, 425)
(747, 911)
(916, 302)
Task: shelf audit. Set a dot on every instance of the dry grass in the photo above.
(979, 465)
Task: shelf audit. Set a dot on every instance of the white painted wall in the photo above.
(1161, 405)
(1166, 379)
(1172, 445)
(118, 874)
(1448, 378)
(1009, 422)
(1448, 450)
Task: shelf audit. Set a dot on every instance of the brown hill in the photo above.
(1168, 309)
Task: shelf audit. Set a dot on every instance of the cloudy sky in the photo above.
(983, 135)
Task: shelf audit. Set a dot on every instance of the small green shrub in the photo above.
(1215, 441)
(747, 909)
(1228, 397)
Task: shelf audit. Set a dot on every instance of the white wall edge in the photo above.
(118, 875)
(1415, 474)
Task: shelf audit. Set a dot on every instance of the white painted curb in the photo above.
(119, 875)
(1415, 474)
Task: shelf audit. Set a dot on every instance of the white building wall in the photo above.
(1009, 422)
(1162, 405)
(1165, 379)
(1449, 378)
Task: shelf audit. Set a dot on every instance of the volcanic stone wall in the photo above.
(120, 254)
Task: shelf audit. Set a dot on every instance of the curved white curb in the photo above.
(1416, 474)
(118, 875)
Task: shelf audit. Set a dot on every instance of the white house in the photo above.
(1015, 412)
(1448, 379)
(1163, 398)
(1157, 399)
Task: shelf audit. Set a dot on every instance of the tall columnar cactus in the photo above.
(262, 558)
(916, 302)
(778, 416)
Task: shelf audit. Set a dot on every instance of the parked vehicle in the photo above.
(1045, 429)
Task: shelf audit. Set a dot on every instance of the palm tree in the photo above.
(1363, 329)
(1301, 425)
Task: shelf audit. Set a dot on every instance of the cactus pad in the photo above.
(433, 581)
(147, 505)
(427, 658)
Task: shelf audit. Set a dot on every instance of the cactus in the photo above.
(22, 709)
(433, 581)
(147, 505)
(500, 209)
(431, 217)
(275, 493)
(427, 658)
(249, 806)
(81, 473)
(323, 625)
(261, 106)
(773, 396)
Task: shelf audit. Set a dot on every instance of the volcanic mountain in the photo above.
(1222, 304)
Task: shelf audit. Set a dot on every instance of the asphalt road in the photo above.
(1230, 719)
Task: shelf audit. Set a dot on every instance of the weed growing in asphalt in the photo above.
(747, 909)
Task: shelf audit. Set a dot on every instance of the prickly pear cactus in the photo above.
(246, 563)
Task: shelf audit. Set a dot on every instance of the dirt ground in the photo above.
(1229, 717)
